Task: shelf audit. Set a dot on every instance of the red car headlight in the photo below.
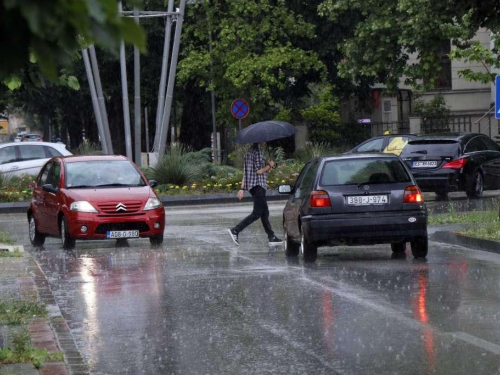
(152, 204)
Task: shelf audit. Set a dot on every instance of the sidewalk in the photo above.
(21, 279)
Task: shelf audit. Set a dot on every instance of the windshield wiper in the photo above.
(81, 186)
(420, 152)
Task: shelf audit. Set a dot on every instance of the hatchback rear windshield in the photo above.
(432, 148)
(361, 171)
(102, 173)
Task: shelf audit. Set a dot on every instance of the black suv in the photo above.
(467, 162)
(354, 200)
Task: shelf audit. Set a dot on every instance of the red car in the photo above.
(94, 197)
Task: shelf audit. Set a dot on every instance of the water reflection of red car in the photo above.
(94, 197)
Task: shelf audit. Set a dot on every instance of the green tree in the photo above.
(256, 55)
(48, 34)
(385, 33)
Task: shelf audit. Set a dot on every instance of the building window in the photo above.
(443, 81)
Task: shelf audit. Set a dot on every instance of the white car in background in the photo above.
(28, 158)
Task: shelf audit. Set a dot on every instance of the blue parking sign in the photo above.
(497, 101)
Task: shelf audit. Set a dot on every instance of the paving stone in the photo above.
(18, 369)
(53, 369)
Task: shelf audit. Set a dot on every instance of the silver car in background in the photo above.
(18, 158)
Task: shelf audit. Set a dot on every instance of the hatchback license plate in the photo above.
(425, 164)
(367, 200)
(122, 234)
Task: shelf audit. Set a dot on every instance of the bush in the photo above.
(87, 148)
(177, 168)
(237, 157)
(312, 150)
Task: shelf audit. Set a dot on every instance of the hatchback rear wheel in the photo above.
(36, 238)
(419, 247)
(398, 247)
(309, 249)
(291, 247)
(68, 242)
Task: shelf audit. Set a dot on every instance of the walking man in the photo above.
(254, 180)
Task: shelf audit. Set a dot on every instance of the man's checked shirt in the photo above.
(254, 160)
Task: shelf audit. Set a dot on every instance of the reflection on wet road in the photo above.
(199, 305)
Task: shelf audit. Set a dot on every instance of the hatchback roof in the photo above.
(81, 158)
(359, 156)
(31, 144)
(445, 137)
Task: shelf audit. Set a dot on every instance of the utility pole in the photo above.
(171, 79)
(137, 100)
(125, 101)
(100, 98)
(95, 103)
(163, 78)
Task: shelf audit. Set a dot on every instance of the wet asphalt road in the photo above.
(199, 305)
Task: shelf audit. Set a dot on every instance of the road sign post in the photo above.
(240, 110)
(497, 101)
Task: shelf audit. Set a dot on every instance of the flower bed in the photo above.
(16, 189)
(19, 189)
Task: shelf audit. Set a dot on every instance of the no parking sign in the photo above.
(240, 109)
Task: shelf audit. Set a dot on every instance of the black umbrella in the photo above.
(265, 131)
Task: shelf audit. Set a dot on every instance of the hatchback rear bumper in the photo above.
(442, 180)
(366, 228)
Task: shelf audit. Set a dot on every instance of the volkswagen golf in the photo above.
(354, 200)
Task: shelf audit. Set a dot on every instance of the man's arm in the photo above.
(267, 168)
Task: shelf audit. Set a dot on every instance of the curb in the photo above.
(187, 200)
(73, 360)
(453, 238)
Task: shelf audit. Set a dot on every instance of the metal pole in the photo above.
(137, 100)
(163, 79)
(171, 79)
(239, 124)
(146, 126)
(126, 108)
(100, 98)
(212, 96)
(95, 103)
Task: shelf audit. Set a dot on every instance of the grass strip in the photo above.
(10, 254)
(23, 352)
(5, 238)
(485, 231)
(471, 217)
(15, 312)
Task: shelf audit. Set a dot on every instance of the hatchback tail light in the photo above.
(456, 164)
(320, 198)
(413, 195)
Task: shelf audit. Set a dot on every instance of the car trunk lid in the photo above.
(365, 185)
(429, 155)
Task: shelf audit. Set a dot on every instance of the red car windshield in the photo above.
(102, 173)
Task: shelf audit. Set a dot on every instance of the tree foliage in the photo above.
(48, 34)
(385, 33)
(256, 54)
